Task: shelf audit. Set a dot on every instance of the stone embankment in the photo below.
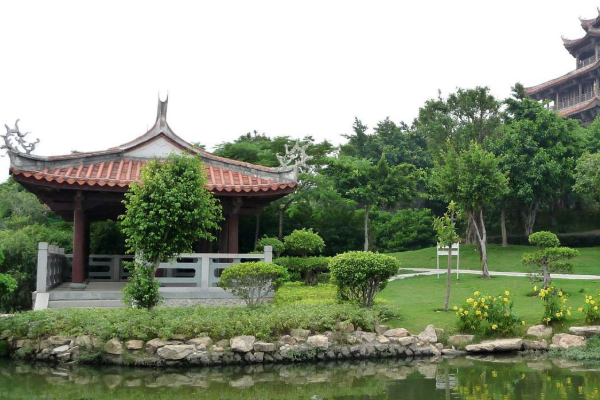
(300, 345)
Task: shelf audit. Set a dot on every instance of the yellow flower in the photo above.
(507, 293)
(592, 302)
(523, 323)
(535, 288)
(477, 312)
(476, 293)
(466, 312)
(486, 307)
(506, 300)
(506, 314)
(482, 300)
(569, 313)
(494, 327)
(560, 293)
(542, 294)
(455, 308)
(580, 309)
(475, 305)
(587, 301)
(457, 314)
(470, 300)
(485, 314)
(595, 308)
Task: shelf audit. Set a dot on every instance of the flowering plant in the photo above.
(486, 314)
(590, 309)
(555, 304)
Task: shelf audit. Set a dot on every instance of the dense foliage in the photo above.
(555, 304)
(360, 275)
(276, 244)
(307, 269)
(549, 258)
(253, 281)
(303, 242)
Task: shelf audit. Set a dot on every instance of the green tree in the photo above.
(372, 185)
(408, 229)
(473, 179)
(445, 227)
(538, 150)
(587, 178)
(549, 258)
(166, 213)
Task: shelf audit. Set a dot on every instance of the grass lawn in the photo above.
(416, 299)
(499, 259)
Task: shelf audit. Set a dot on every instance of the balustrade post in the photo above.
(205, 275)
(42, 267)
(269, 254)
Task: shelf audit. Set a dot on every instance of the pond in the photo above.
(515, 377)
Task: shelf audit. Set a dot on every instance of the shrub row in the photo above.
(304, 268)
(164, 322)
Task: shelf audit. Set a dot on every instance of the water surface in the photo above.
(516, 377)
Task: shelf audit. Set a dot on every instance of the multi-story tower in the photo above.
(576, 94)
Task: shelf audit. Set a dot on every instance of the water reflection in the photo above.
(481, 378)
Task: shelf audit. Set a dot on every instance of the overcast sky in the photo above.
(85, 75)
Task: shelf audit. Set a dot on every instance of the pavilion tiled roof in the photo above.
(124, 172)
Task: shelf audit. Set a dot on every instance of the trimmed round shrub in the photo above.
(278, 246)
(303, 243)
(544, 239)
(359, 275)
(253, 281)
(307, 269)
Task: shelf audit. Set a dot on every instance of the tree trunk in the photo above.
(481, 236)
(256, 231)
(367, 210)
(547, 278)
(470, 232)
(529, 214)
(448, 274)
(503, 228)
(280, 231)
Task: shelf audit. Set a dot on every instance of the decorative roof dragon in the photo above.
(297, 157)
(21, 146)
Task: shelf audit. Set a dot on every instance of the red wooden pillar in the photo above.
(79, 244)
(224, 236)
(86, 247)
(232, 228)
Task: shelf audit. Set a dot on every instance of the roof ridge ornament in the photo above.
(21, 146)
(161, 113)
(297, 155)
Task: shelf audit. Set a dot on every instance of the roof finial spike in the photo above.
(161, 115)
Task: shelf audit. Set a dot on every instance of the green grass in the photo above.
(499, 259)
(418, 299)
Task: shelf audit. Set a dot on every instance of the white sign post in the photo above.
(445, 251)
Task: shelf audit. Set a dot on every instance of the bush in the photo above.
(549, 257)
(485, 315)
(555, 304)
(303, 242)
(141, 290)
(359, 275)
(278, 246)
(307, 269)
(8, 284)
(253, 281)
(408, 229)
(298, 293)
(590, 309)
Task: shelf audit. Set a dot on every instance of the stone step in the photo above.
(86, 303)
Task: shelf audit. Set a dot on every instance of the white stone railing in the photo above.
(51, 265)
(200, 270)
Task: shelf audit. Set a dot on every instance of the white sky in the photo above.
(85, 76)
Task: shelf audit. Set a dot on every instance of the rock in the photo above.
(453, 352)
(383, 339)
(406, 341)
(496, 346)
(345, 327)
(64, 357)
(535, 344)
(242, 344)
(564, 341)
(439, 346)
(287, 339)
(264, 347)
(587, 331)
(134, 344)
(5, 334)
(397, 332)
(365, 337)
(540, 331)
(259, 356)
(428, 335)
(23, 343)
(154, 345)
(60, 349)
(84, 341)
(218, 348)
(300, 334)
(113, 346)
(320, 341)
(58, 340)
(460, 340)
(203, 342)
(380, 329)
(175, 351)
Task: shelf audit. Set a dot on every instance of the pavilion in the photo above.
(88, 187)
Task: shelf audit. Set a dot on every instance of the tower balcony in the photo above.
(587, 61)
(573, 101)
